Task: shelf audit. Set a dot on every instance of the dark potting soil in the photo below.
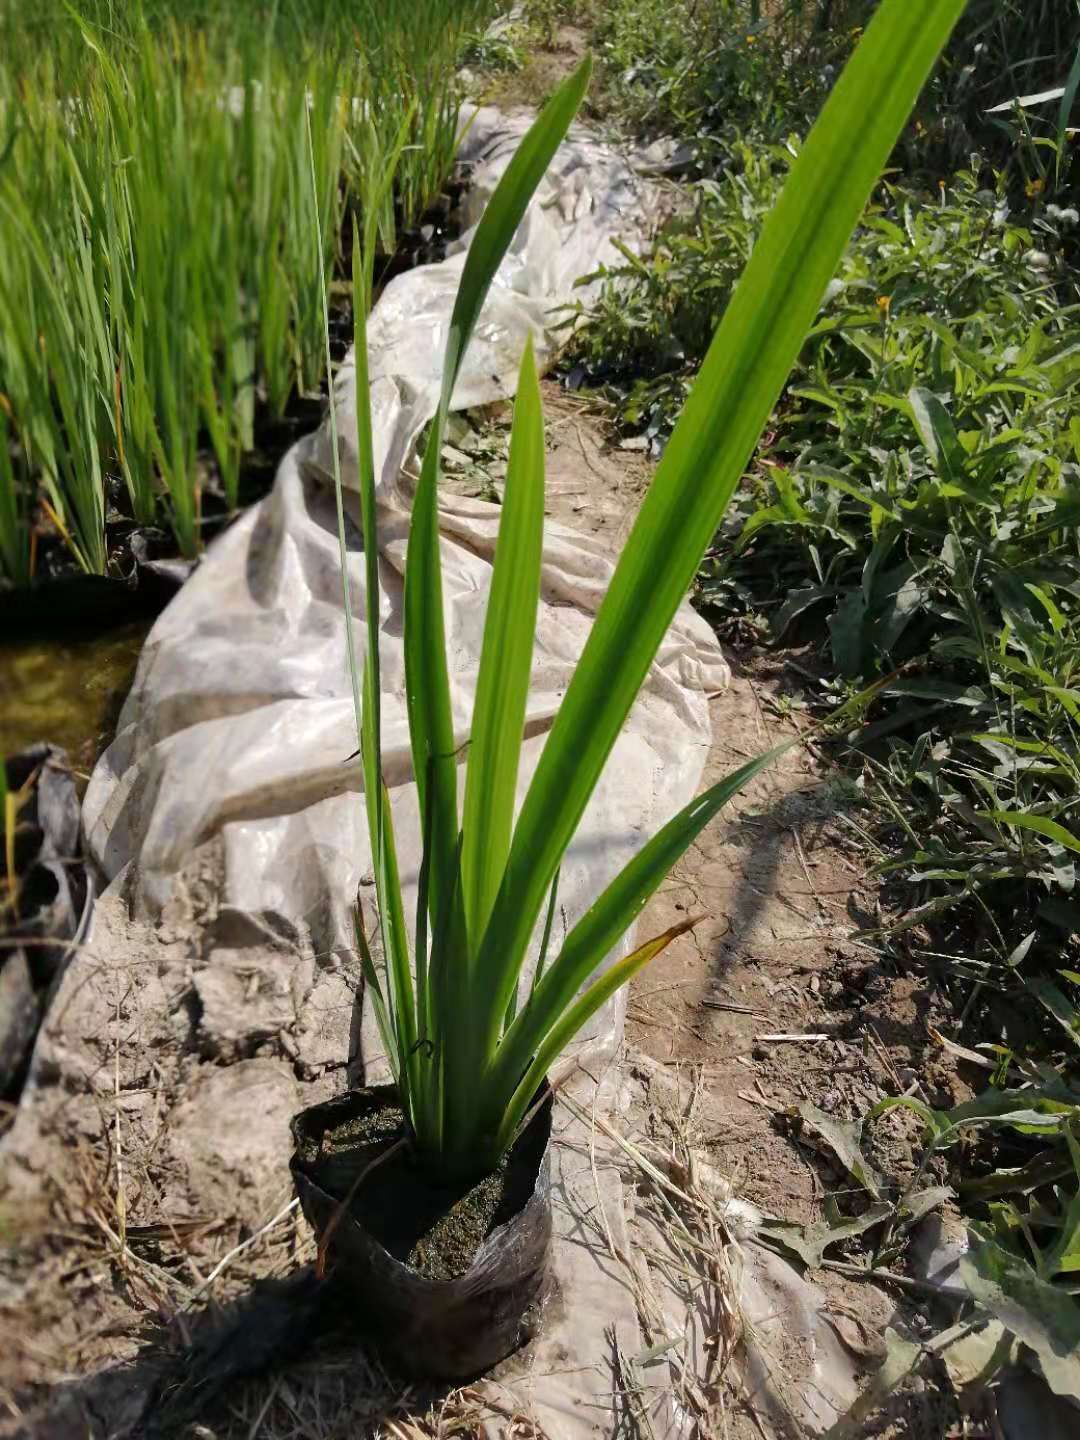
(434, 1229)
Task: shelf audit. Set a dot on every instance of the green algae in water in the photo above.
(67, 692)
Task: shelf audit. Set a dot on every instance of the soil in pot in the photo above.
(436, 1230)
(446, 1280)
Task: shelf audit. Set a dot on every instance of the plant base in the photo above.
(447, 1280)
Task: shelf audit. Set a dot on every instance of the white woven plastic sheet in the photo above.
(240, 722)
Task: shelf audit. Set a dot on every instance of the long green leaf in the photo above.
(403, 1000)
(506, 659)
(398, 972)
(427, 682)
(1068, 97)
(608, 919)
(1037, 824)
(573, 1019)
(755, 346)
(399, 997)
(505, 212)
(938, 433)
(373, 988)
(545, 941)
(1064, 1255)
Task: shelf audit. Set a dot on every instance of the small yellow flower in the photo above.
(883, 303)
(751, 39)
(1035, 187)
(941, 184)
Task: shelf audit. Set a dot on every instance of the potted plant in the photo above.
(430, 1195)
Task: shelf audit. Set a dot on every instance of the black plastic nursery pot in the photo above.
(445, 1280)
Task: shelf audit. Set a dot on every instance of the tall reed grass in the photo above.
(160, 260)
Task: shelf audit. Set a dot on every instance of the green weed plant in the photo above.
(918, 490)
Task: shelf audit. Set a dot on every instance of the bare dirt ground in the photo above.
(770, 992)
(108, 1262)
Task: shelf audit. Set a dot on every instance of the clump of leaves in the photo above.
(921, 494)
(496, 49)
(1002, 50)
(645, 333)
(914, 510)
(1023, 1250)
(720, 72)
(916, 496)
(468, 1043)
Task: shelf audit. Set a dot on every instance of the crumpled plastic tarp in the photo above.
(55, 904)
(240, 724)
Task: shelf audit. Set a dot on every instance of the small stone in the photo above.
(938, 1245)
(459, 433)
(454, 459)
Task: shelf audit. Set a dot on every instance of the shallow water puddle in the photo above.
(68, 692)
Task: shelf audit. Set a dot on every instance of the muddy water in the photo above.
(68, 692)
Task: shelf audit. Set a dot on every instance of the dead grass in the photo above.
(693, 1263)
(349, 1398)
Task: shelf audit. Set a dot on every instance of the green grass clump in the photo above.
(160, 270)
(718, 73)
(468, 1043)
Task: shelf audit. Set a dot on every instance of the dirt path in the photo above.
(781, 881)
(543, 69)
